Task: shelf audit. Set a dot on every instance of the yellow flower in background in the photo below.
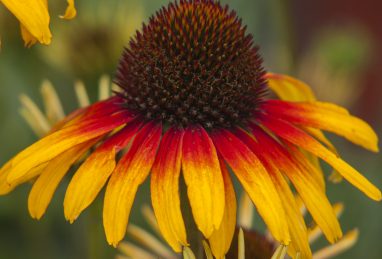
(34, 19)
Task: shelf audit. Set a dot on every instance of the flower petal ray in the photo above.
(256, 181)
(70, 11)
(301, 139)
(220, 240)
(54, 144)
(275, 156)
(204, 180)
(46, 184)
(165, 189)
(130, 172)
(34, 18)
(94, 172)
(327, 117)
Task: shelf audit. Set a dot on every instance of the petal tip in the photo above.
(374, 193)
(70, 12)
(113, 243)
(70, 218)
(36, 215)
(378, 196)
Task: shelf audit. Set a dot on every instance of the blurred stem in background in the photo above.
(283, 11)
(95, 234)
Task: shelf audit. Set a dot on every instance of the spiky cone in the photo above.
(193, 101)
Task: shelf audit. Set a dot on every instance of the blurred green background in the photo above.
(335, 47)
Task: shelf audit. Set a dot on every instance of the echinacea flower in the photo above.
(34, 19)
(192, 100)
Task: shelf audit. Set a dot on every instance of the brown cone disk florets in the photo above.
(193, 63)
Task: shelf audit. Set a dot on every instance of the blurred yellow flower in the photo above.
(34, 19)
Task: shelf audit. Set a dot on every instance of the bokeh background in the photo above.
(335, 46)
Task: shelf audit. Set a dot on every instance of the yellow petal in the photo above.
(298, 137)
(129, 174)
(348, 172)
(30, 175)
(54, 144)
(34, 17)
(29, 39)
(5, 187)
(87, 183)
(70, 12)
(335, 177)
(318, 134)
(45, 186)
(92, 175)
(308, 188)
(256, 181)
(221, 239)
(314, 231)
(307, 160)
(204, 180)
(289, 89)
(327, 117)
(165, 190)
(298, 230)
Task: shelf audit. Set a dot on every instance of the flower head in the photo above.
(192, 101)
(34, 19)
(193, 63)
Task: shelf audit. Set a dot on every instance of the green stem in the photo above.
(95, 233)
(285, 21)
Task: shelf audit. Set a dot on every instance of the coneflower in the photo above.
(193, 101)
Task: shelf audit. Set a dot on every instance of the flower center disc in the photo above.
(193, 63)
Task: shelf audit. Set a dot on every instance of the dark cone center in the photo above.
(193, 63)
